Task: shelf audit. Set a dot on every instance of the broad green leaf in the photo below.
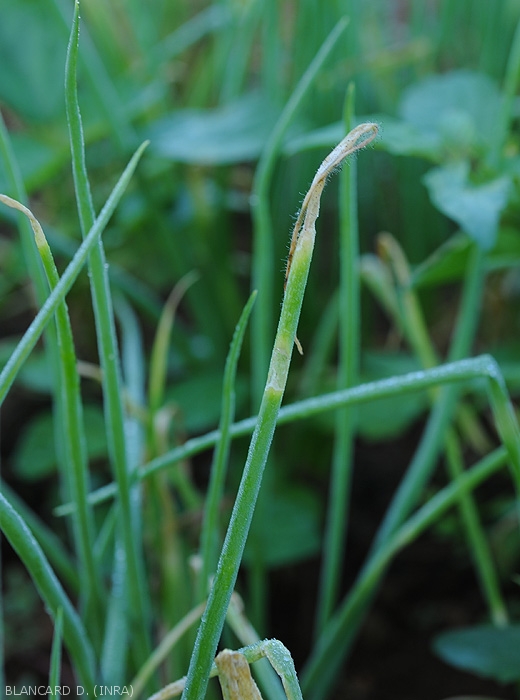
(36, 374)
(385, 418)
(448, 262)
(443, 117)
(285, 528)
(35, 456)
(476, 208)
(32, 55)
(401, 138)
(38, 160)
(484, 650)
(196, 403)
(462, 107)
(234, 133)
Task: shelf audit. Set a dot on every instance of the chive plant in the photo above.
(262, 274)
(78, 483)
(300, 255)
(108, 353)
(97, 592)
(349, 343)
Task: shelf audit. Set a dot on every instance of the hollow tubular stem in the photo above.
(298, 269)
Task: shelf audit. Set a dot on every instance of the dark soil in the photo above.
(430, 588)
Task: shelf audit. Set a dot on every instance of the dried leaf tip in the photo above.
(39, 236)
(358, 138)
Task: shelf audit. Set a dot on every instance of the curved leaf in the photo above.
(485, 650)
(476, 208)
(462, 106)
(234, 133)
(32, 54)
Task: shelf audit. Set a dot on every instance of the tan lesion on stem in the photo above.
(235, 677)
(278, 369)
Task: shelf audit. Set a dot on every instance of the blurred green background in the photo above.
(206, 84)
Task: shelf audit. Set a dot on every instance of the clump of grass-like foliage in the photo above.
(143, 561)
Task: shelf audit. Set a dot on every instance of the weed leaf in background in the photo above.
(31, 56)
(196, 415)
(35, 374)
(445, 264)
(486, 650)
(403, 139)
(386, 418)
(37, 158)
(234, 133)
(476, 208)
(444, 117)
(285, 528)
(35, 455)
(449, 261)
(462, 108)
